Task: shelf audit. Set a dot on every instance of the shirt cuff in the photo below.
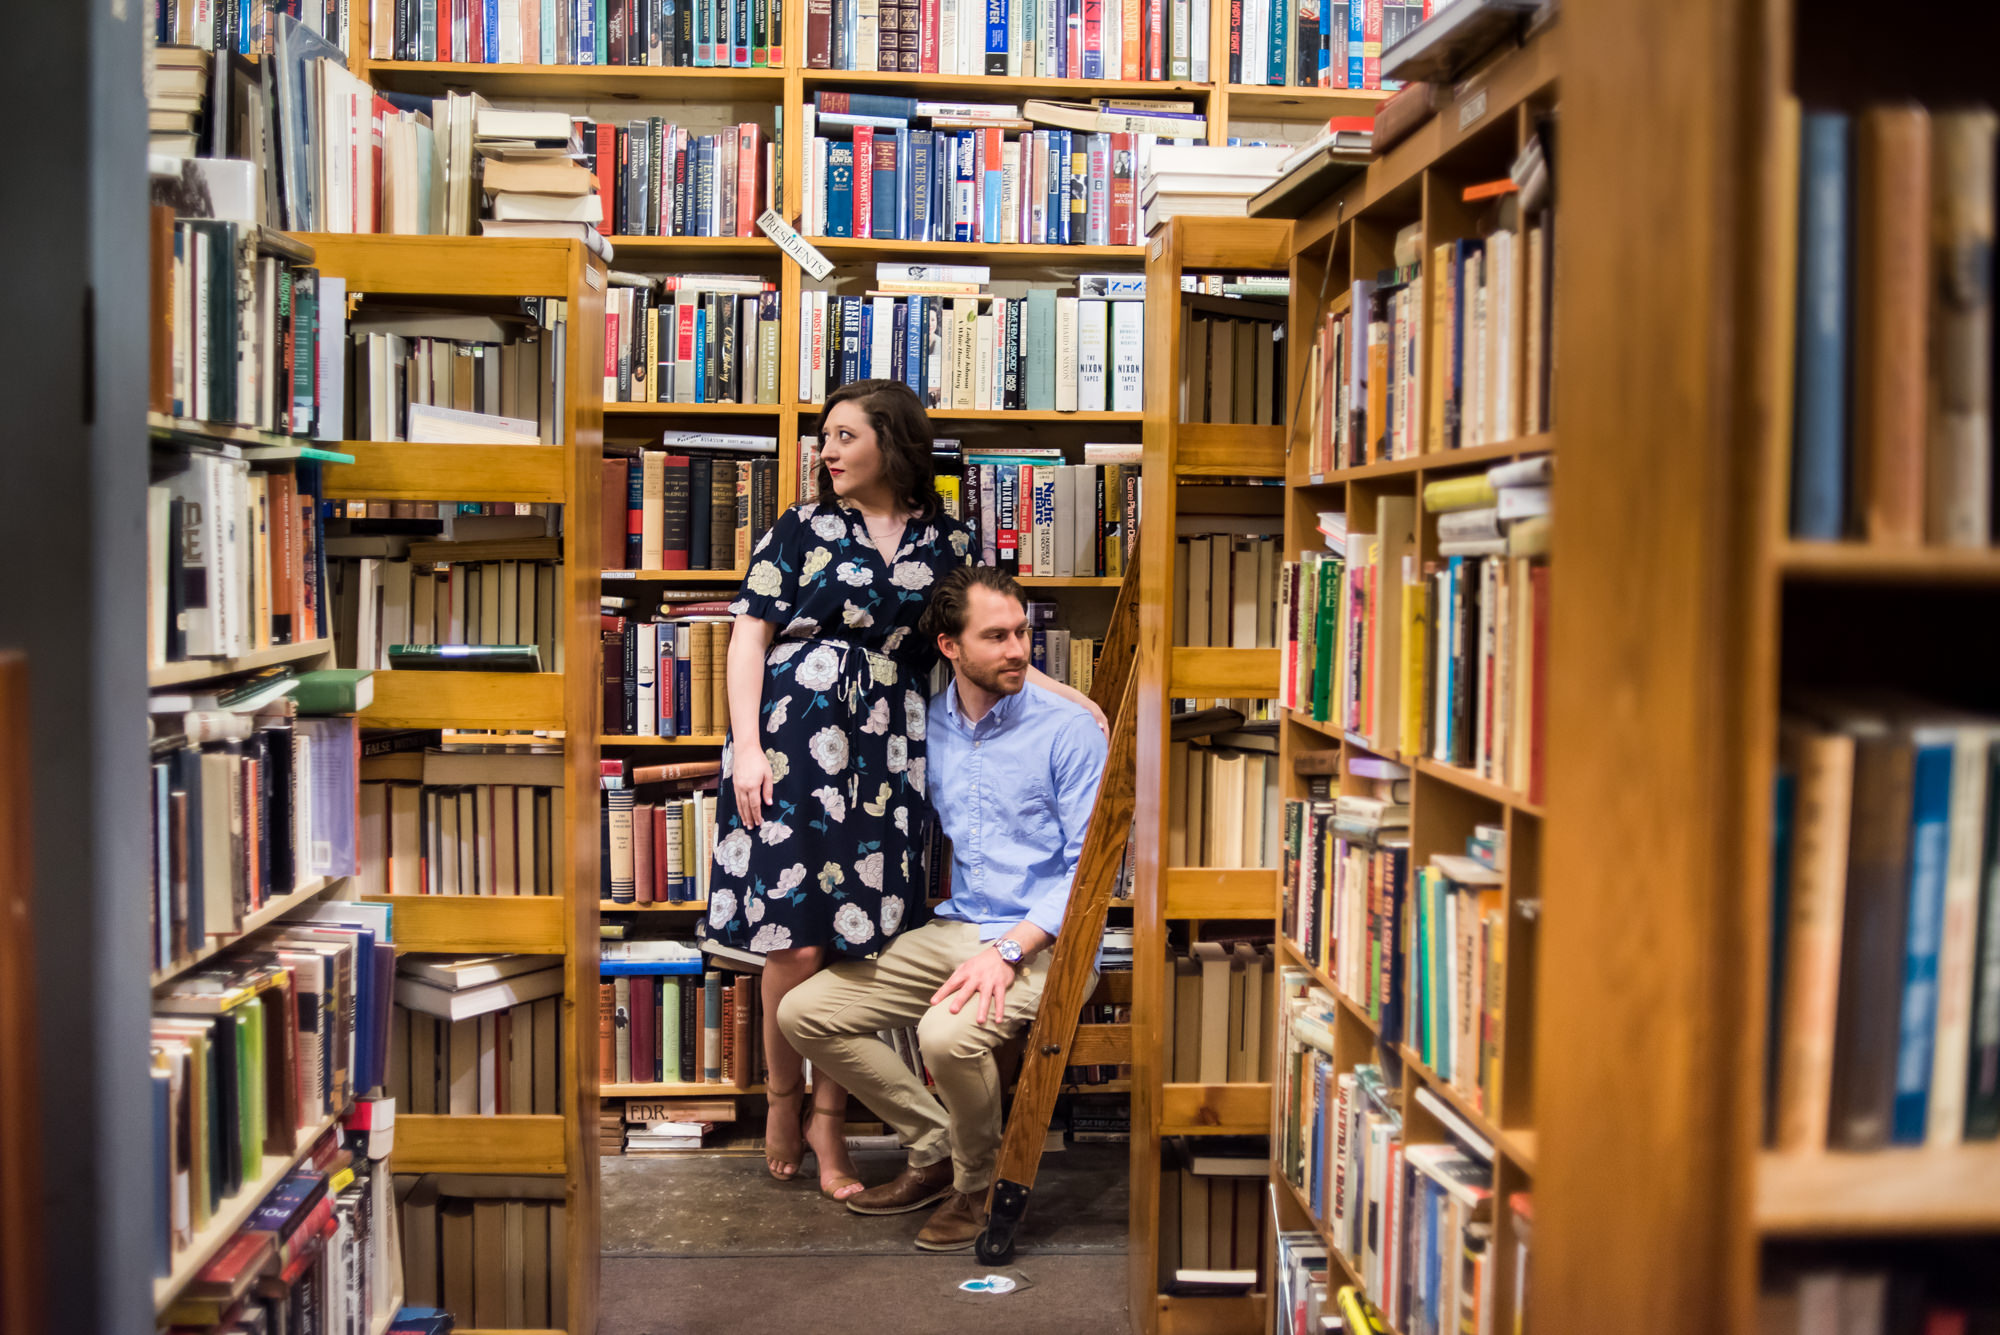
(1048, 915)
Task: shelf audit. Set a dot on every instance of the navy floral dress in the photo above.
(835, 862)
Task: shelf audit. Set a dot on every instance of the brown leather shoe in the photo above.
(956, 1225)
(912, 1189)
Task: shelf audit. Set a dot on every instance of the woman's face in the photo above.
(852, 455)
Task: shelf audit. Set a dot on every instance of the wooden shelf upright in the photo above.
(568, 702)
(1166, 673)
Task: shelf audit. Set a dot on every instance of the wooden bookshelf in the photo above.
(1173, 894)
(196, 670)
(1349, 237)
(253, 922)
(567, 702)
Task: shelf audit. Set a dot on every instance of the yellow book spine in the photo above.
(1416, 658)
(1360, 1314)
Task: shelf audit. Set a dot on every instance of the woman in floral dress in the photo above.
(819, 827)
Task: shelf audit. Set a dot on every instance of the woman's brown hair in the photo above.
(902, 432)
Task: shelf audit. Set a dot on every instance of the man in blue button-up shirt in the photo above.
(1013, 778)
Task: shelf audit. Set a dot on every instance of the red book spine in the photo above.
(607, 172)
(928, 39)
(1156, 40)
(612, 630)
(1538, 669)
(1371, 43)
(819, 34)
(645, 1048)
(864, 177)
(611, 544)
(659, 891)
(1124, 214)
(1093, 38)
(475, 34)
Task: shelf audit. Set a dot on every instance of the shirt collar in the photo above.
(1000, 715)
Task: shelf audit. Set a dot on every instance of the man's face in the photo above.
(993, 651)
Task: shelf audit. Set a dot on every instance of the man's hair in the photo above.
(946, 613)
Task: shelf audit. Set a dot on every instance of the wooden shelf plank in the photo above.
(693, 409)
(1069, 581)
(673, 576)
(1221, 892)
(868, 248)
(1215, 1110)
(405, 471)
(233, 1213)
(255, 922)
(1460, 777)
(672, 1090)
(208, 669)
(690, 906)
(1311, 724)
(1024, 415)
(457, 266)
(1019, 85)
(674, 247)
(1228, 673)
(1444, 461)
(703, 739)
(457, 924)
(1259, 102)
(511, 1144)
(1949, 1189)
(518, 701)
(1208, 449)
(1213, 1315)
(1872, 563)
(655, 83)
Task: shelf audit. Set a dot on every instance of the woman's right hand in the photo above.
(751, 775)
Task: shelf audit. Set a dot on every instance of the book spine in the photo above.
(1819, 462)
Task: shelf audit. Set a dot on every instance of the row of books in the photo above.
(245, 809)
(1450, 663)
(248, 1055)
(656, 178)
(237, 334)
(1232, 361)
(1318, 43)
(455, 377)
(1875, 1299)
(1222, 801)
(1042, 187)
(1144, 40)
(666, 677)
(1458, 967)
(1065, 656)
(461, 821)
(506, 1061)
(1229, 591)
(1033, 514)
(689, 507)
(658, 851)
(701, 33)
(1892, 432)
(1218, 1014)
(1213, 1224)
(1886, 1000)
(448, 595)
(317, 1253)
(675, 1023)
(691, 338)
(973, 350)
(244, 30)
(234, 561)
(1345, 877)
(492, 1251)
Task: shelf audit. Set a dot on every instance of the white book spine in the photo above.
(1066, 354)
(1198, 43)
(1091, 341)
(1010, 166)
(948, 36)
(1128, 355)
(983, 363)
(1045, 519)
(648, 668)
(881, 339)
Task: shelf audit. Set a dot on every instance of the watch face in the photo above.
(1010, 950)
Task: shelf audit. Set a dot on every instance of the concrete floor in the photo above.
(709, 1245)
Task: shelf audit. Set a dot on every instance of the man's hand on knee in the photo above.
(986, 977)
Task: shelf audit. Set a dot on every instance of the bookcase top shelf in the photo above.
(1863, 562)
(252, 923)
(456, 266)
(1251, 101)
(210, 669)
(1949, 1189)
(405, 471)
(653, 82)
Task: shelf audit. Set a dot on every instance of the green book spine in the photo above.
(1041, 349)
(334, 691)
(1331, 574)
(250, 1088)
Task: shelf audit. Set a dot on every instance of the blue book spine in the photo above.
(647, 968)
(961, 205)
(1280, 43)
(548, 32)
(851, 309)
(1357, 26)
(700, 354)
(163, 1163)
(683, 684)
(865, 368)
(989, 221)
(1930, 835)
(920, 185)
(996, 36)
(840, 189)
(913, 344)
(586, 32)
(1819, 447)
(882, 165)
(884, 105)
(492, 20)
(905, 171)
(899, 334)
(704, 33)
(1455, 590)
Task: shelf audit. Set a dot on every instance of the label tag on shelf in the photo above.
(794, 245)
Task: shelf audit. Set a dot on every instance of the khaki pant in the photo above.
(833, 1017)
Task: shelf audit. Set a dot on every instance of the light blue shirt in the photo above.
(1013, 793)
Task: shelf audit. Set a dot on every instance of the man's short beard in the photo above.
(991, 681)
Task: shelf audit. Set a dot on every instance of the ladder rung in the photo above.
(1101, 1045)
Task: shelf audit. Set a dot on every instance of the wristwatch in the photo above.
(1010, 950)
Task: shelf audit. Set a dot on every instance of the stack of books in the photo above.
(176, 93)
(1213, 1216)
(466, 820)
(663, 1018)
(694, 505)
(477, 1035)
(459, 377)
(1232, 356)
(1218, 1014)
(403, 597)
(1459, 983)
(491, 1250)
(1345, 868)
(1222, 801)
(1205, 179)
(530, 168)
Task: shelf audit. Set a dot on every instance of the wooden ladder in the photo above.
(1056, 1040)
